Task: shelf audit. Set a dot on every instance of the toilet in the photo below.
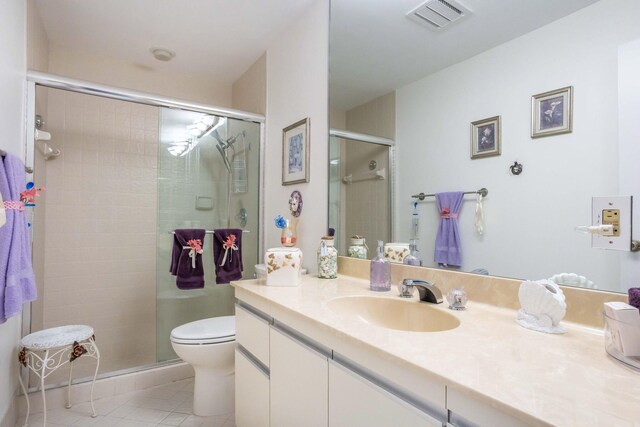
(208, 345)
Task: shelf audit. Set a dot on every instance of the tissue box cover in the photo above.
(283, 266)
(396, 252)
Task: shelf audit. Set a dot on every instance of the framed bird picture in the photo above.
(552, 112)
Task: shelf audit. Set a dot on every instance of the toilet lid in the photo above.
(206, 331)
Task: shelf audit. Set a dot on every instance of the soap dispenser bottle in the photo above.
(412, 258)
(380, 273)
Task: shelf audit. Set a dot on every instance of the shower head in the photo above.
(225, 158)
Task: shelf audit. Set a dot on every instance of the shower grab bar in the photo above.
(483, 192)
(210, 231)
(27, 169)
(379, 174)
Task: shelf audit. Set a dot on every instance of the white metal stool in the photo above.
(60, 346)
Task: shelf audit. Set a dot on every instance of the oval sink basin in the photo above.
(397, 314)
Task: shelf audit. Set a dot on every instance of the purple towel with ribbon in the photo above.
(186, 261)
(227, 254)
(17, 281)
(448, 248)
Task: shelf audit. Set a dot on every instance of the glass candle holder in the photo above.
(289, 235)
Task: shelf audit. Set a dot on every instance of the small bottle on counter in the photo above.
(327, 257)
(380, 273)
(358, 248)
(412, 258)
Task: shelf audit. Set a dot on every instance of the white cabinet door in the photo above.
(252, 393)
(356, 402)
(299, 383)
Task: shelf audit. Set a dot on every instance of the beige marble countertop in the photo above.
(544, 379)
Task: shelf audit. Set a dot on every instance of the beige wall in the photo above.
(249, 92)
(100, 227)
(297, 87)
(376, 117)
(337, 119)
(114, 72)
(12, 83)
(37, 41)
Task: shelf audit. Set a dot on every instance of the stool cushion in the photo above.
(57, 337)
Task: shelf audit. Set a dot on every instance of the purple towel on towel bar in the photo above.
(227, 254)
(17, 282)
(448, 248)
(187, 277)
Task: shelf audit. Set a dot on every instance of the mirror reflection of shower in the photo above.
(41, 137)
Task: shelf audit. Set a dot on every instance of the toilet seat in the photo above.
(206, 331)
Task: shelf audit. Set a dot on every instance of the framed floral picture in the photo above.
(552, 112)
(485, 138)
(295, 153)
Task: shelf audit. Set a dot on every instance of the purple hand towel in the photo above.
(187, 277)
(227, 254)
(448, 248)
(17, 282)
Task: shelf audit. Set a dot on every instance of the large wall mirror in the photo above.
(422, 83)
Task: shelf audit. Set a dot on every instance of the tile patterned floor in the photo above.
(166, 405)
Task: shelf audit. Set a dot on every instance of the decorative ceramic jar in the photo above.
(358, 248)
(327, 259)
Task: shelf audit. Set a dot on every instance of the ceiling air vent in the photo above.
(438, 14)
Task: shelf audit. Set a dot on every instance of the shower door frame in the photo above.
(376, 140)
(36, 78)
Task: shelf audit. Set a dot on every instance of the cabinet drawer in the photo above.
(252, 333)
(252, 393)
(356, 402)
(465, 411)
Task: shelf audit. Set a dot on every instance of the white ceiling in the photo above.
(221, 38)
(375, 49)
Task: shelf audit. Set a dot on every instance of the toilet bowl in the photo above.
(208, 345)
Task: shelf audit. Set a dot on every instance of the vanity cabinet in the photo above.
(299, 382)
(286, 379)
(252, 373)
(354, 401)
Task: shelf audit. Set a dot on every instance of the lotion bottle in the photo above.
(380, 273)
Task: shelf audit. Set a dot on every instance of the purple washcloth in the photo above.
(228, 260)
(634, 297)
(187, 277)
(17, 282)
(448, 248)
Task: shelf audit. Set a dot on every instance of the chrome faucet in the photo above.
(427, 290)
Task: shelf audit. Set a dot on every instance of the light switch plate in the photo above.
(601, 210)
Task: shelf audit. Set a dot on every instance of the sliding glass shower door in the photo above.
(208, 178)
(128, 174)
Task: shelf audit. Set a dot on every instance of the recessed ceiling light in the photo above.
(162, 54)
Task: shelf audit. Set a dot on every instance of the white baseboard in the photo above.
(107, 387)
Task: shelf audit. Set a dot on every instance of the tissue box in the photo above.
(622, 328)
(396, 252)
(284, 266)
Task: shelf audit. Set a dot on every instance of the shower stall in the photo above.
(131, 169)
(361, 187)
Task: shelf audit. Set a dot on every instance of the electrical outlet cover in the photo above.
(624, 205)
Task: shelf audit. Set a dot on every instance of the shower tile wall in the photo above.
(367, 202)
(100, 232)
